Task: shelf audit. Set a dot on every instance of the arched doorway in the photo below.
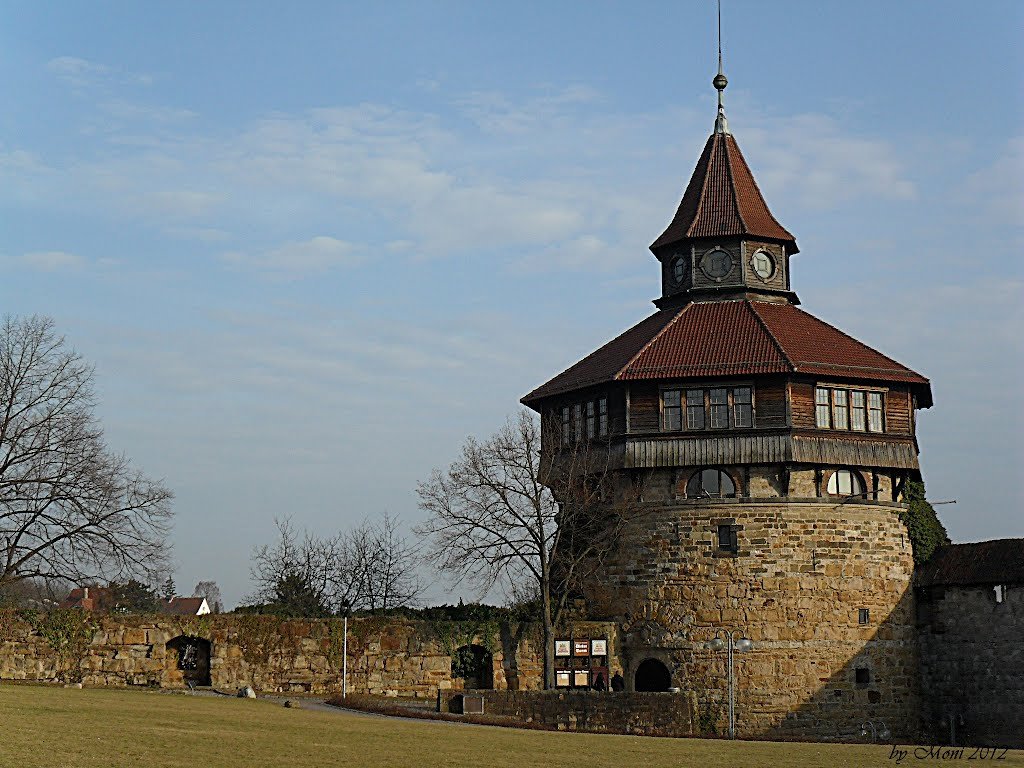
(188, 660)
(652, 675)
(475, 665)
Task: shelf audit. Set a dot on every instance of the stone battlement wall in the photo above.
(386, 656)
(972, 664)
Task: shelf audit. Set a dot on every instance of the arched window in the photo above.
(713, 483)
(845, 483)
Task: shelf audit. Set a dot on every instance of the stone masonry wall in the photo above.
(972, 650)
(803, 572)
(651, 714)
(390, 657)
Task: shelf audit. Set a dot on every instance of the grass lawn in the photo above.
(58, 728)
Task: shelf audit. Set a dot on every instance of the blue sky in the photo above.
(311, 248)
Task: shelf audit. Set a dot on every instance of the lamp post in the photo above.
(347, 610)
(731, 640)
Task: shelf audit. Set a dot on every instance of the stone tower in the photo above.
(770, 452)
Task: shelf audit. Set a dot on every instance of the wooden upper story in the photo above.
(742, 420)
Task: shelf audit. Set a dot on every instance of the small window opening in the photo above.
(728, 541)
(864, 616)
(862, 676)
(999, 590)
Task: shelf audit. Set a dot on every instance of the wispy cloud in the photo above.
(314, 255)
(495, 113)
(812, 160)
(53, 261)
(82, 73)
(997, 190)
(133, 111)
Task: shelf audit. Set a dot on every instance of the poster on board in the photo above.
(563, 648)
(598, 647)
(562, 678)
(581, 648)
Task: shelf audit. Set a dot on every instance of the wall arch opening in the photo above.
(475, 665)
(652, 675)
(188, 660)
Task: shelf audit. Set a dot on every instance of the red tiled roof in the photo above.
(182, 606)
(86, 598)
(722, 198)
(605, 363)
(730, 338)
(1000, 561)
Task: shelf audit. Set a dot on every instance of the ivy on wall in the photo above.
(68, 633)
(926, 530)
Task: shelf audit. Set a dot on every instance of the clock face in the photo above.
(764, 265)
(678, 269)
(716, 263)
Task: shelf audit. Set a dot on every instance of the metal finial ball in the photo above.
(720, 82)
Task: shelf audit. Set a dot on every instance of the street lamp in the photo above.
(732, 640)
(878, 730)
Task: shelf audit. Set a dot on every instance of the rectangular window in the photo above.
(864, 616)
(577, 421)
(862, 676)
(591, 421)
(566, 425)
(875, 423)
(602, 417)
(840, 411)
(848, 409)
(695, 409)
(821, 409)
(727, 539)
(718, 402)
(742, 407)
(858, 411)
(673, 411)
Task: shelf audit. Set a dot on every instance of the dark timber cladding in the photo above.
(768, 449)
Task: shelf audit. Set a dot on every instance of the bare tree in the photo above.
(390, 579)
(507, 513)
(69, 508)
(211, 592)
(294, 574)
(370, 567)
(43, 594)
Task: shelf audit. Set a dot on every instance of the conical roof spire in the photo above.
(722, 199)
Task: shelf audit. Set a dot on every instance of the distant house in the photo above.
(87, 598)
(185, 606)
